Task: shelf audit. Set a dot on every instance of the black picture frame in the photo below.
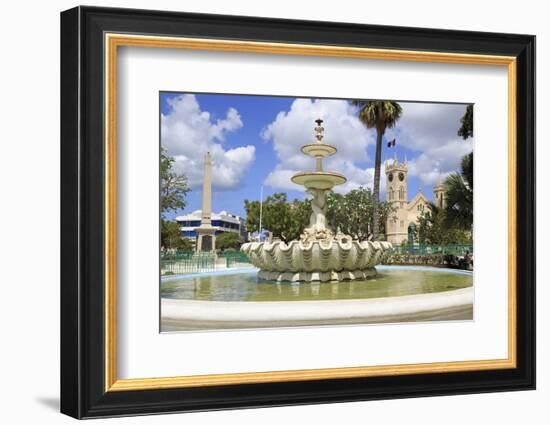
(83, 392)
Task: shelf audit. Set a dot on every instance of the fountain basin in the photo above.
(235, 299)
(317, 261)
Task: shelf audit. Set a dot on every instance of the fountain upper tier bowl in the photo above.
(318, 150)
(317, 261)
(323, 180)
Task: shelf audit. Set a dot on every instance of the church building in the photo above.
(401, 225)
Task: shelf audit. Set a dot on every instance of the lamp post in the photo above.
(261, 207)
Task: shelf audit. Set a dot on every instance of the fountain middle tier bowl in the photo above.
(317, 261)
(318, 179)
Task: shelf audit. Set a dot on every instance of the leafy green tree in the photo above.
(432, 228)
(286, 220)
(354, 213)
(426, 224)
(170, 236)
(228, 240)
(173, 190)
(459, 196)
(385, 211)
(381, 115)
(300, 212)
(351, 214)
(185, 244)
(277, 216)
(252, 209)
(467, 123)
(173, 186)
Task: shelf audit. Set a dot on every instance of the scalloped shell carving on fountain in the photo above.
(321, 260)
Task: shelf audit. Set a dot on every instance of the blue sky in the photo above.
(255, 140)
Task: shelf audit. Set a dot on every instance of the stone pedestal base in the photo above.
(206, 239)
(328, 276)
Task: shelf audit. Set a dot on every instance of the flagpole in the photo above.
(261, 207)
(395, 147)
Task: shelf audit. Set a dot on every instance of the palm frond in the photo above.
(467, 169)
(381, 114)
(459, 202)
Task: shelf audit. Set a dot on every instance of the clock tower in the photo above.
(396, 196)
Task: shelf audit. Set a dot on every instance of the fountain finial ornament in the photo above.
(320, 254)
(319, 130)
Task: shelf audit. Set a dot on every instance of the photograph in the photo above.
(280, 211)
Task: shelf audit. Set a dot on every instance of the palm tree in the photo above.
(378, 114)
(459, 195)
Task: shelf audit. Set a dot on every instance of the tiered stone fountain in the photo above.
(321, 255)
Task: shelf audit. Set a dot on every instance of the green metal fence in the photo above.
(455, 255)
(185, 264)
(420, 249)
(236, 259)
(177, 255)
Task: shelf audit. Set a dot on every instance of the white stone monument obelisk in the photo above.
(206, 234)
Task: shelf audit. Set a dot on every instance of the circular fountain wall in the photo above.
(236, 299)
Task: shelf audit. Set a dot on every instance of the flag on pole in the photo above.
(391, 143)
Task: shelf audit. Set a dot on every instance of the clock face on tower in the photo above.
(390, 177)
(401, 177)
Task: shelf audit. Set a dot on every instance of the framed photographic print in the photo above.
(261, 212)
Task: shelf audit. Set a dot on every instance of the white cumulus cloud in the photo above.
(293, 128)
(431, 129)
(187, 133)
(436, 163)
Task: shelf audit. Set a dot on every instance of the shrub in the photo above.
(228, 240)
